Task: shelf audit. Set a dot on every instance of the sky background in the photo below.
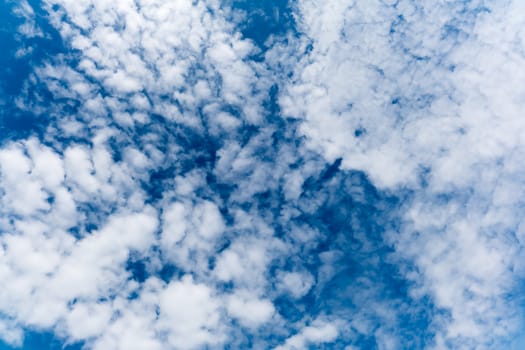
(336, 174)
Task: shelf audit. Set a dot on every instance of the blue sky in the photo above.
(261, 174)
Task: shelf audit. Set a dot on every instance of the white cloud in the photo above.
(61, 278)
(80, 168)
(189, 233)
(245, 262)
(250, 311)
(130, 47)
(11, 334)
(29, 29)
(24, 193)
(85, 320)
(190, 315)
(383, 87)
(317, 333)
(295, 283)
(81, 208)
(435, 93)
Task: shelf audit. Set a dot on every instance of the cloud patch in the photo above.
(350, 179)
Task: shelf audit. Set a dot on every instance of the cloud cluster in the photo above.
(426, 98)
(131, 222)
(352, 183)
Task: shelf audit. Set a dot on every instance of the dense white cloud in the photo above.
(189, 314)
(295, 283)
(189, 234)
(246, 261)
(52, 278)
(317, 333)
(250, 312)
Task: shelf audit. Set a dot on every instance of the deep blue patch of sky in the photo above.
(34, 340)
(16, 123)
(264, 18)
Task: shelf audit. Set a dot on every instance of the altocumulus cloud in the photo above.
(289, 175)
